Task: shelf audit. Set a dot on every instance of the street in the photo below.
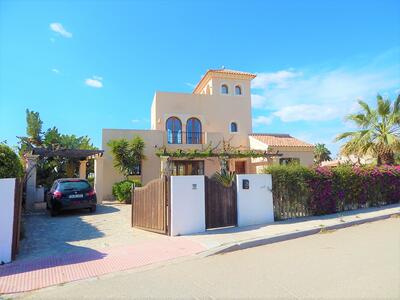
(357, 262)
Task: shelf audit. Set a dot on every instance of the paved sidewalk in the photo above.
(235, 238)
(38, 273)
(41, 272)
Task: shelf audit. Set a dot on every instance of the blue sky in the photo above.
(88, 65)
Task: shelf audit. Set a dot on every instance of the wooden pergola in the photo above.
(81, 154)
(32, 192)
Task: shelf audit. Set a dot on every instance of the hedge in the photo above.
(10, 164)
(122, 190)
(301, 191)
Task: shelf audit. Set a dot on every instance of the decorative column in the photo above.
(31, 162)
(82, 169)
(98, 177)
(166, 166)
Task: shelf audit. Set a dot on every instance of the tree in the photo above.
(10, 165)
(51, 168)
(34, 127)
(321, 153)
(379, 131)
(127, 155)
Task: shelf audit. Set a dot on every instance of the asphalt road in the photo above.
(357, 262)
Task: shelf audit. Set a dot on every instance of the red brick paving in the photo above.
(25, 276)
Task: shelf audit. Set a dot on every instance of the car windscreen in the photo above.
(76, 185)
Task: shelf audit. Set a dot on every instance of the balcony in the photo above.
(182, 137)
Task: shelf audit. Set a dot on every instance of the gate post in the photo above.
(31, 162)
(132, 199)
(167, 195)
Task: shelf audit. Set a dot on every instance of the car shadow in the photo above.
(101, 209)
(53, 237)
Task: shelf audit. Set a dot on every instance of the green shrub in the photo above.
(301, 191)
(122, 190)
(224, 177)
(91, 181)
(289, 188)
(10, 164)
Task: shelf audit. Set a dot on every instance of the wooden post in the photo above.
(17, 218)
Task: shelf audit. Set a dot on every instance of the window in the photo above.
(238, 90)
(184, 167)
(289, 161)
(193, 131)
(136, 170)
(224, 89)
(174, 130)
(234, 127)
(73, 185)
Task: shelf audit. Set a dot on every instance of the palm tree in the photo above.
(379, 133)
(321, 153)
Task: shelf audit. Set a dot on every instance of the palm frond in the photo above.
(383, 107)
(365, 106)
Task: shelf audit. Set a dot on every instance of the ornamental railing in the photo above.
(182, 137)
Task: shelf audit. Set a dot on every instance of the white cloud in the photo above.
(309, 112)
(135, 121)
(262, 120)
(325, 93)
(56, 71)
(191, 85)
(258, 101)
(278, 79)
(95, 81)
(58, 28)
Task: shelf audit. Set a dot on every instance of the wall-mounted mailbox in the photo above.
(194, 186)
(245, 184)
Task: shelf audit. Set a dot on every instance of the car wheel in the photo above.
(53, 212)
(93, 209)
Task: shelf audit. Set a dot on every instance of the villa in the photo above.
(218, 109)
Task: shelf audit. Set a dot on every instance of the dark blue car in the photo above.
(70, 193)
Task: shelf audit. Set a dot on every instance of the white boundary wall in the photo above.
(7, 192)
(187, 205)
(255, 204)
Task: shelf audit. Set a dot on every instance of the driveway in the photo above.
(80, 231)
(359, 262)
(79, 245)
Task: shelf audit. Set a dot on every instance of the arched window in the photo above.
(234, 127)
(174, 130)
(224, 89)
(193, 131)
(238, 90)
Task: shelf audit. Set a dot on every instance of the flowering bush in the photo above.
(300, 191)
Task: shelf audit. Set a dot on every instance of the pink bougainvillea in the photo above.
(324, 190)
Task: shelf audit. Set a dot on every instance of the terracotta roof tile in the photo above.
(228, 71)
(221, 71)
(279, 140)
